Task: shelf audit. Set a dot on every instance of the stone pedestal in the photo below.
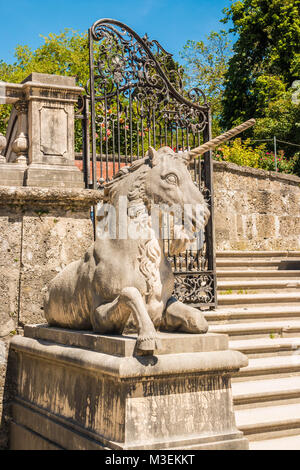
(81, 390)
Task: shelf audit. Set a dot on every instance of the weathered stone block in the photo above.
(239, 202)
(42, 231)
(265, 226)
(240, 245)
(264, 183)
(292, 202)
(42, 175)
(289, 226)
(81, 390)
(12, 174)
(225, 228)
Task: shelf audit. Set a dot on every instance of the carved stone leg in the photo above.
(182, 317)
(112, 317)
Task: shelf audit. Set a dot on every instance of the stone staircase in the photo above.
(259, 308)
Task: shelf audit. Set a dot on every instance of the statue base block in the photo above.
(60, 176)
(12, 174)
(82, 390)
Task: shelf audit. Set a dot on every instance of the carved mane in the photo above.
(130, 181)
(133, 178)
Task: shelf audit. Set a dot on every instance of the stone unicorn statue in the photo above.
(119, 277)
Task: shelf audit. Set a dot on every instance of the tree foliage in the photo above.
(205, 64)
(266, 57)
(282, 119)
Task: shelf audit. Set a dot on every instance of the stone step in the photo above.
(232, 264)
(267, 392)
(252, 314)
(262, 298)
(265, 347)
(258, 330)
(270, 367)
(257, 264)
(251, 274)
(265, 325)
(253, 393)
(267, 420)
(261, 284)
(257, 254)
(280, 443)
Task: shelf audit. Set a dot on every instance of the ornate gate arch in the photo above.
(137, 99)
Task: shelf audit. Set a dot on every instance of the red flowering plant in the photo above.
(284, 165)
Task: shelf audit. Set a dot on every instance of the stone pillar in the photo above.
(51, 157)
(85, 391)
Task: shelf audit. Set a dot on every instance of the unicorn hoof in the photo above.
(145, 345)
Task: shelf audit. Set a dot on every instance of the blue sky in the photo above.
(170, 22)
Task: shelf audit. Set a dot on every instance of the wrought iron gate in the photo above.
(136, 98)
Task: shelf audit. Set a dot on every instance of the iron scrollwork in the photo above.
(194, 288)
(125, 62)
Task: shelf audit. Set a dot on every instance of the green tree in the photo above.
(266, 57)
(282, 119)
(62, 54)
(205, 65)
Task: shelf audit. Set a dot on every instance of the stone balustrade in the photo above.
(39, 148)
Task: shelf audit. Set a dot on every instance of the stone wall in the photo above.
(42, 230)
(255, 209)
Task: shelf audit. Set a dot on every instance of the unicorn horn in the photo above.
(211, 144)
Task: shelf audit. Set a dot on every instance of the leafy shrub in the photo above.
(244, 154)
(240, 153)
